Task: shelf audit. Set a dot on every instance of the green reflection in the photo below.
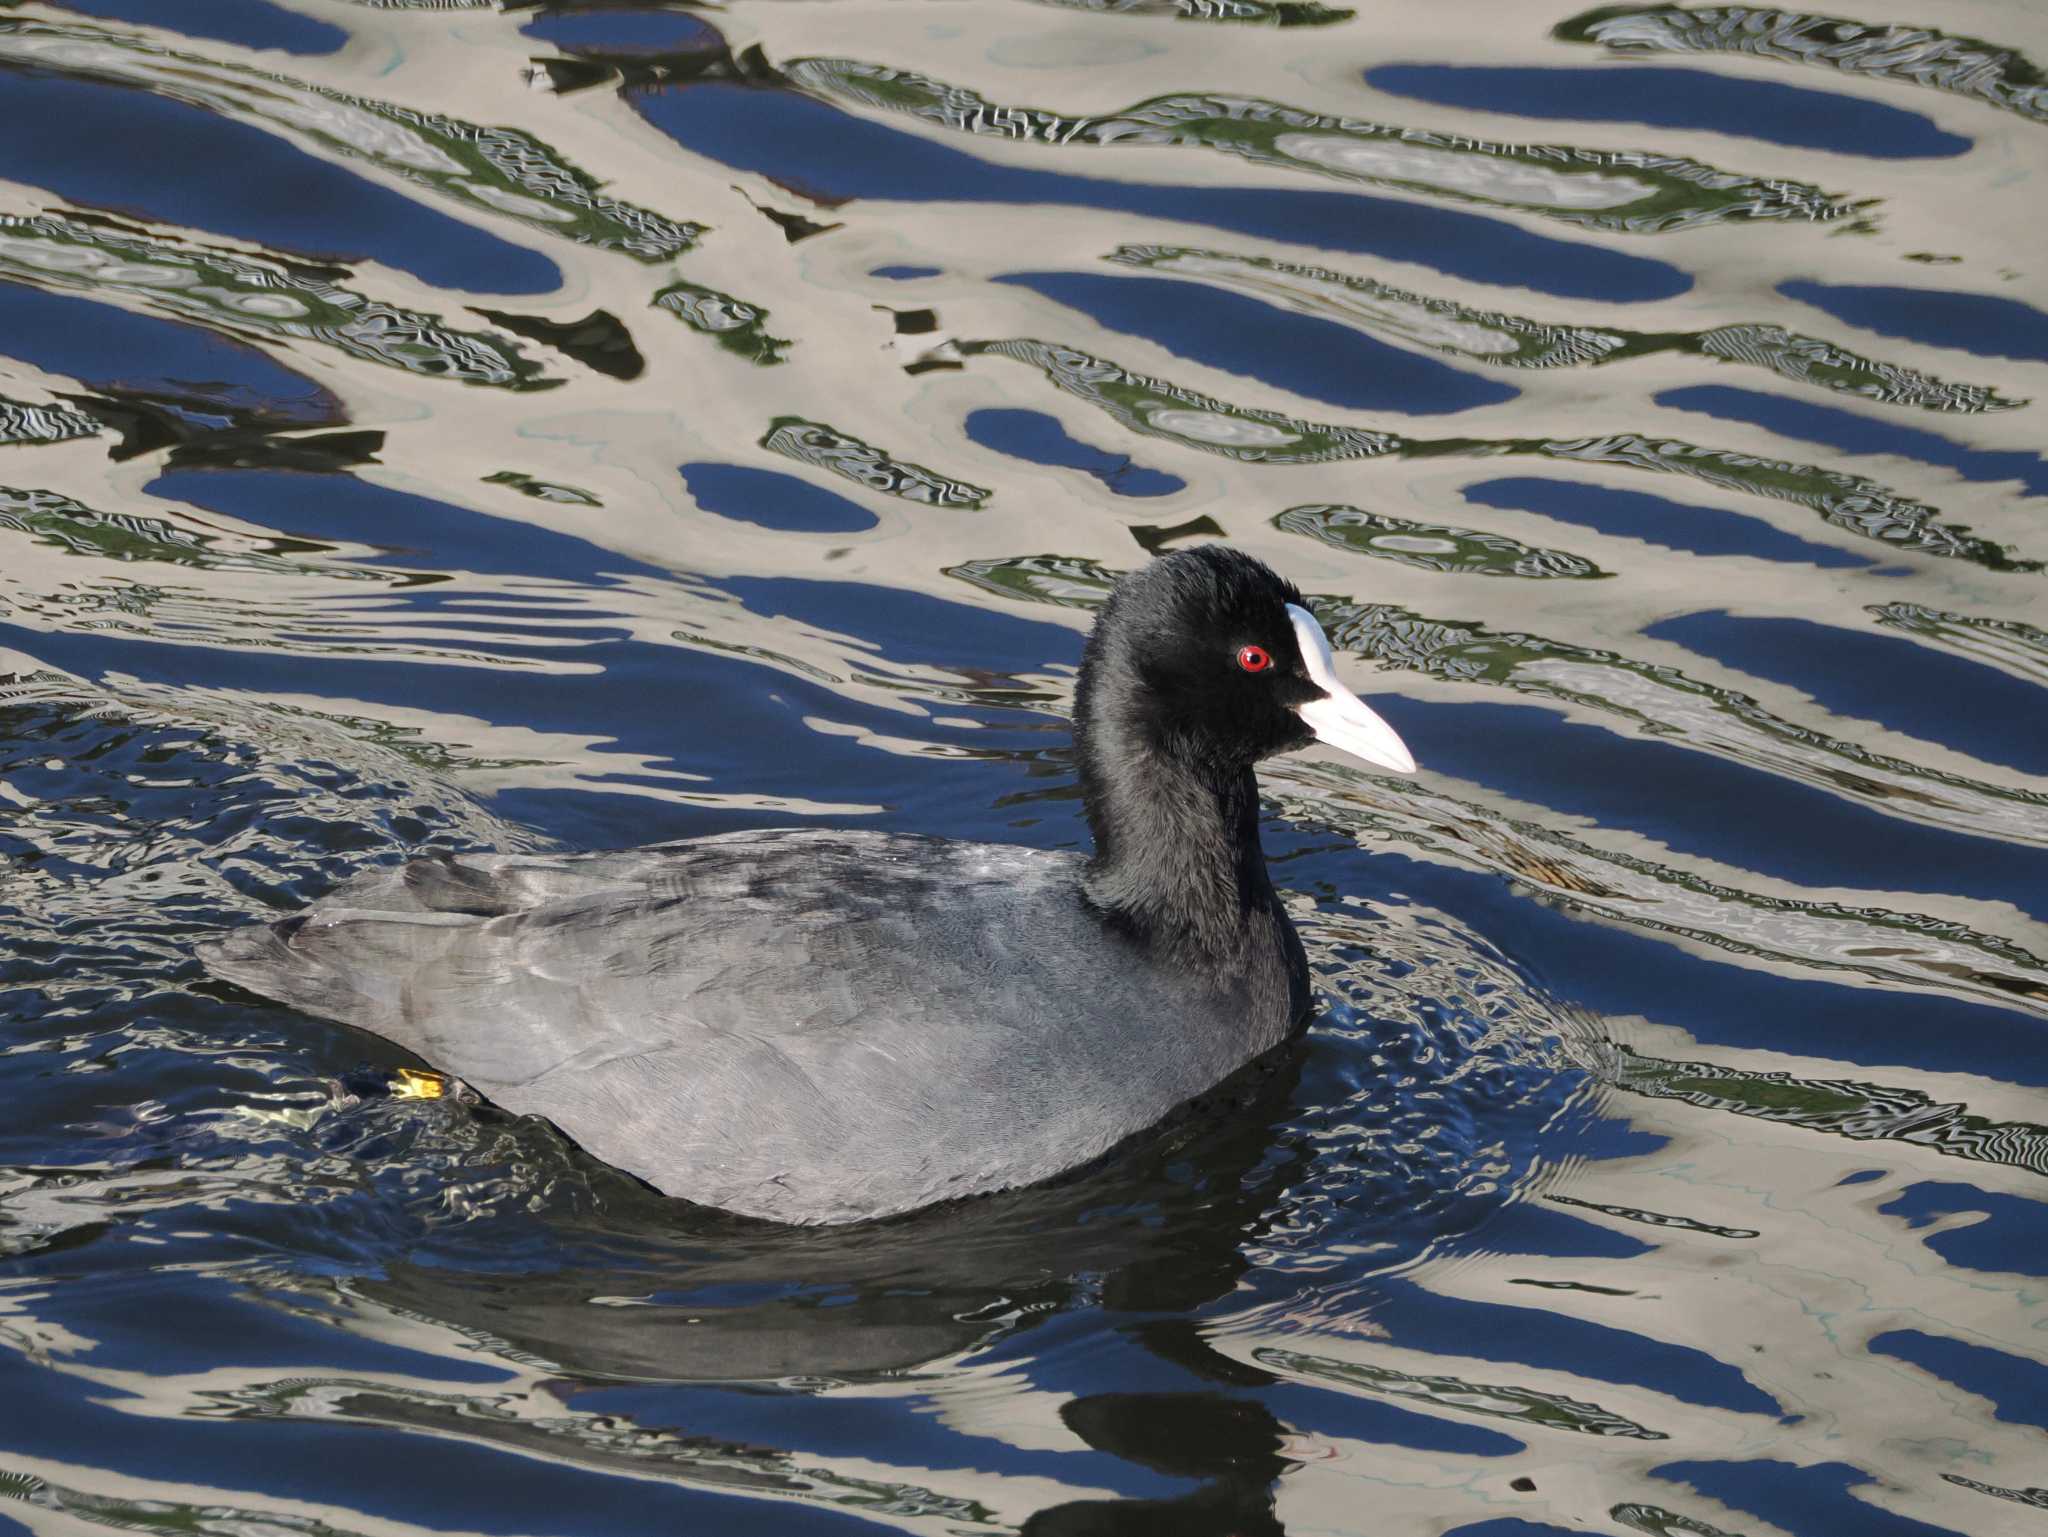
(61, 523)
(505, 170)
(1853, 503)
(2009, 644)
(1551, 1410)
(1272, 13)
(246, 294)
(1662, 701)
(1430, 546)
(1501, 340)
(1162, 410)
(156, 603)
(737, 326)
(1067, 580)
(1916, 55)
(175, 1518)
(1625, 190)
(816, 444)
(1862, 1112)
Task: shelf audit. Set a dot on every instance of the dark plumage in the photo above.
(816, 1026)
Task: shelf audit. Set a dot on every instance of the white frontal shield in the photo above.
(1340, 718)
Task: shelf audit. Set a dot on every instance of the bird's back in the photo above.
(805, 1026)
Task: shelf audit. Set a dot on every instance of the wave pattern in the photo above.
(22, 423)
(816, 444)
(1860, 1111)
(1677, 1050)
(1552, 1411)
(1274, 13)
(734, 324)
(1159, 409)
(1430, 546)
(1498, 339)
(2010, 644)
(1915, 55)
(1636, 192)
(1851, 502)
(242, 294)
(505, 170)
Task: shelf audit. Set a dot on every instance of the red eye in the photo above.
(1254, 659)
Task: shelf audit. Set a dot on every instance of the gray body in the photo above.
(801, 1026)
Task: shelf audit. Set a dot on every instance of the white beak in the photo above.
(1340, 718)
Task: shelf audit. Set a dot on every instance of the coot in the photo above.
(826, 1026)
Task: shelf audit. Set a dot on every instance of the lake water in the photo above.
(575, 426)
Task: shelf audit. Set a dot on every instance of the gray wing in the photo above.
(802, 1026)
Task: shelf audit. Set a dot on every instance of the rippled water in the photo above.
(580, 425)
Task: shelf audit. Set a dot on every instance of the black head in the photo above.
(1208, 658)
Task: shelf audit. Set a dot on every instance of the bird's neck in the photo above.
(1177, 857)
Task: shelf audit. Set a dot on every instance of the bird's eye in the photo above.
(1254, 659)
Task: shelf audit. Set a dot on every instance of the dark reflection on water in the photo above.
(425, 426)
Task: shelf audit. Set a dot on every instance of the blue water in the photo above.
(1311, 357)
(1034, 436)
(827, 154)
(1668, 1151)
(249, 23)
(1987, 325)
(105, 146)
(1769, 110)
(1658, 520)
(109, 349)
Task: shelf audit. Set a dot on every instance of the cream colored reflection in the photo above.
(1803, 1265)
(1501, 181)
(1700, 721)
(1845, 500)
(1829, 1269)
(1888, 938)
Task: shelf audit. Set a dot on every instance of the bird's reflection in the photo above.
(679, 1293)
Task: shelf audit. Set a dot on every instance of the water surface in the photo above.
(573, 426)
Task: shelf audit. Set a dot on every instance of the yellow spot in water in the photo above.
(413, 1084)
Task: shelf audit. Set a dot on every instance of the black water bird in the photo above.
(829, 1026)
